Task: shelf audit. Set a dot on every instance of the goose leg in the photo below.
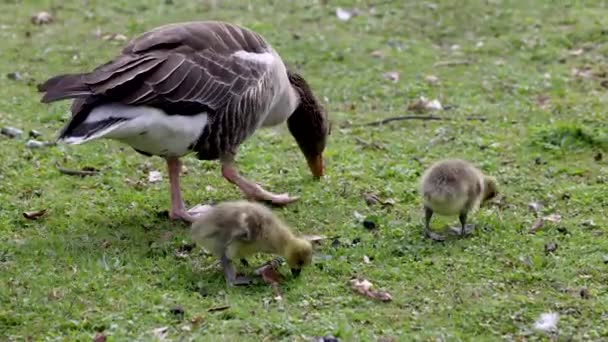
(463, 222)
(428, 213)
(178, 211)
(249, 188)
(230, 274)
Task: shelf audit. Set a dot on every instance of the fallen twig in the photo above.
(452, 63)
(219, 308)
(81, 173)
(419, 117)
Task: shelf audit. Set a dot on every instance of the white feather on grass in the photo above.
(547, 322)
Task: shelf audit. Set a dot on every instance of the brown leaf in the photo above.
(196, 320)
(555, 218)
(373, 199)
(55, 294)
(535, 207)
(537, 225)
(271, 276)
(136, 184)
(155, 176)
(364, 287)
(99, 337)
(114, 37)
(423, 105)
(34, 215)
(432, 79)
(542, 101)
(373, 145)
(377, 54)
(42, 18)
(391, 76)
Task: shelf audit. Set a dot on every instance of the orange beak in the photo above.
(316, 166)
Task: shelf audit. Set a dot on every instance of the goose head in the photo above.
(309, 124)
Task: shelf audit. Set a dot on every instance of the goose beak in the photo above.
(316, 166)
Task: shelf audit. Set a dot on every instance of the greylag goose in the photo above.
(202, 87)
(454, 187)
(234, 230)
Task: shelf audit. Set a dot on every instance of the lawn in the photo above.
(104, 261)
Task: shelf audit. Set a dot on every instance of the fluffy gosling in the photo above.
(236, 229)
(454, 186)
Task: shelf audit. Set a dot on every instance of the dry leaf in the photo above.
(271, 276)
(100, 337)
(155, 176)
(55, 294)
(136, 184)
(585, 72)
(424, 105)
(377, 54)
(537, 225)
(542, 101)
(372, 199)
(196, 320)
(535, 207)
(366, 260)
(34, 215)
(343, 14)
(42, 18)
(576, 52)
(432, 79)
(364, 287)
(391, 76)
(555, 218)
(160, 333)
(114, 37)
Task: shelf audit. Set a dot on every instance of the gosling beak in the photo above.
(296, 272)
(316, 166)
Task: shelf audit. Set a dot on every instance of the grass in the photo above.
(102, 259)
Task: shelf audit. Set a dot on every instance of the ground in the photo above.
(102, 260)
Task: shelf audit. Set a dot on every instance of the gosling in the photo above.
(237, 229)
(454, 186)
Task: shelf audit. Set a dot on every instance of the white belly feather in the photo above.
(147, 129)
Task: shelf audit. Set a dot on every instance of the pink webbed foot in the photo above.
(254, 191)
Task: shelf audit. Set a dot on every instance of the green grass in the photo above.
(102, 260)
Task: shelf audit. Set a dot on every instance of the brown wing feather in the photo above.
(188, 62)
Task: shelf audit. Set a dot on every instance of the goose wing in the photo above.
(185, 68)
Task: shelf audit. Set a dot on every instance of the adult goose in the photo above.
(202, 87)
